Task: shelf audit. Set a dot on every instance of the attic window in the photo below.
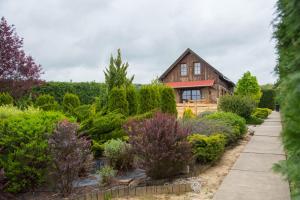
(183, 70)
(197, 68)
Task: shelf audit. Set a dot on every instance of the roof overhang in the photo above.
(189, 84)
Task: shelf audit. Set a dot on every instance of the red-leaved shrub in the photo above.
(70, 153)
(160, 145)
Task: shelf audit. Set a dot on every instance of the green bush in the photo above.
(86, 91)
(254, 120)
(167, 101)
(46, 102)
(6, 99)
(268, 99)
(83, 112)
(261, 113)
(211, 126)
(240, 105)
(143, 116)
(207, 149)
(148, 98)
(119, 154)
(188, 114)
(232, 119)
(107, 174)
(203, 114)
(70, 102)
(23, 140)
(117, 101)
(131, 96)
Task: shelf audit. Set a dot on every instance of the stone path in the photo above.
(251, 177)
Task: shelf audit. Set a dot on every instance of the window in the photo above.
(191, 95)
(183, 70)
(197, 68)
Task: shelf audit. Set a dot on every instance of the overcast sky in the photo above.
(73, 39)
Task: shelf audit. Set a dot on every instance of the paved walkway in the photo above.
(251, 177)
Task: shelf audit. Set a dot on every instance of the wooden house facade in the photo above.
(193, 79)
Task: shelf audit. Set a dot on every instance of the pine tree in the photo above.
(116, 73)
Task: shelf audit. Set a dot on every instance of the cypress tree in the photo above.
(117, 101)
(167, 101)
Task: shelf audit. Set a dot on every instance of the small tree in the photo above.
(46, 102)
(248, 86)
(117, 101)
(70, 154)
(168, 102)
(148, 98)
(131, 96)
(116, 73)
(160, 144)
(18, 72)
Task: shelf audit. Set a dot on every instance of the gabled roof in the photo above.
(187, 84)
(186, 52)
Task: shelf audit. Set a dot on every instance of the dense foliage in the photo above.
(117, 101)
(287, 33)
(6, 99)
(188, 114)
(267, 99)
(262, 113)
(160, 145)
(70, 102)
(86, 91)
(116, 73)
(132, 98)
(23, 140)
(18, 71)
(46, 102)
(148, 98)
(70, 154)
(207, 148)
(240, 105)
(119, 154)
(248, 86)
(167, 101)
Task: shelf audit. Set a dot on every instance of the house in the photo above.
(193, 79)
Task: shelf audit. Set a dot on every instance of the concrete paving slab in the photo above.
(268, 131)
(249, 185)
(264, 144)
(257, 162)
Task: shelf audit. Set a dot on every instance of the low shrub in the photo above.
(70, 102)
(46, 102)
(188, 114)
(70, 155)
(143, 116)
(261, 113)
(203, 114)
(240, 105)
(24, 146)
(117, 101)
(83, 112)
(107, 174)
(254, 120)
(167, 101)
(160, 145)
(6, 99)
(119, 154)
(207, 149)
(211, 126)
(231, 119)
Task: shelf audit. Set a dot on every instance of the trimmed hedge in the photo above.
(261, 113)
(167, 101)
(240, 105)
(86, 91)
(254, 120)
(207, 149)
(131, 96)
(268, 99)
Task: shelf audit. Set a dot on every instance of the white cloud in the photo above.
(73, 39)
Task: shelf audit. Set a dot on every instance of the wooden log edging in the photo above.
(128, 191)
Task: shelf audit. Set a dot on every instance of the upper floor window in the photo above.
(183, 70)
(197, 68)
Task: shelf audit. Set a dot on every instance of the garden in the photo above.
(53, 135)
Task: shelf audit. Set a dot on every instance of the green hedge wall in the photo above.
(86, 91)
(268, 99)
